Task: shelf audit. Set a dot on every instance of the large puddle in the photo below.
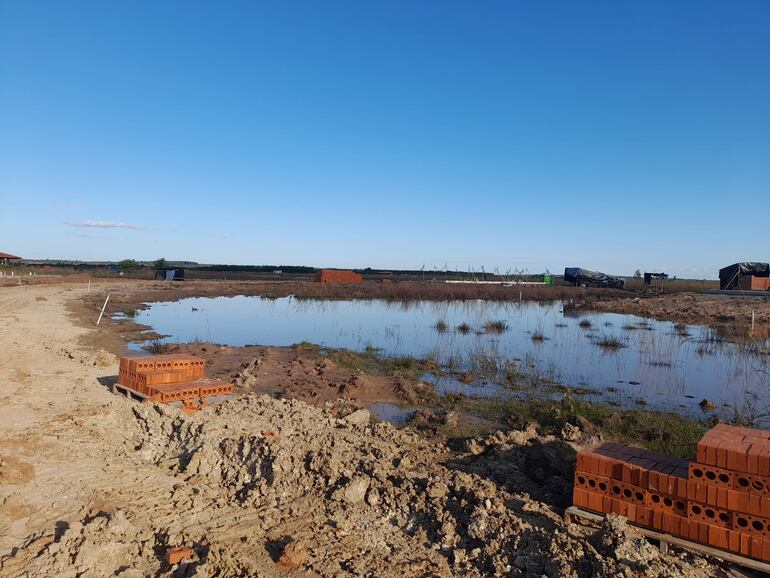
(622, 359)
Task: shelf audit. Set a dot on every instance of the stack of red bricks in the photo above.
(722, 499)
(338, 276)
(171, 378)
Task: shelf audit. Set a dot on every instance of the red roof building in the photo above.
(5, 257)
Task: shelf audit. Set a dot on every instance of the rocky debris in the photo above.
(359, 417)
(294, 555)
(356, 498)
(570, 433)
(617, 539)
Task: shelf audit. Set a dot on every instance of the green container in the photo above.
(548, 279)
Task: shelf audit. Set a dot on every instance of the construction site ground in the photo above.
(93, 484)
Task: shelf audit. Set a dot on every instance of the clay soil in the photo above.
(729, 316)
(93, 484)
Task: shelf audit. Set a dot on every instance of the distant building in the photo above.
(337, 276)
(746, 275)
(7, 258)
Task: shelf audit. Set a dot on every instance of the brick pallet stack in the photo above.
(170, 379)
(722, 499)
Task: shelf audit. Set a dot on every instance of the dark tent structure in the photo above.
(730, 276)
(169, 274)
(578, 276)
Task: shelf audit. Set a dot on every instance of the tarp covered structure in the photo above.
(169, 274)
(578, 276)
(729, 276)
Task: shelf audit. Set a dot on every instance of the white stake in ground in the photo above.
(103, 308)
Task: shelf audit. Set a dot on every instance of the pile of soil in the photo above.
(259, 486)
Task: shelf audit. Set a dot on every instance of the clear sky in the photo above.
(612, 135)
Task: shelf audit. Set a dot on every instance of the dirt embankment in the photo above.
(255, 478)
(729, 316)
(313, 375)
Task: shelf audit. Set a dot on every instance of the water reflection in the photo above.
(658, 363)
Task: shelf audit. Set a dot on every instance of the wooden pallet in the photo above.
(130, 393)
(667, 539)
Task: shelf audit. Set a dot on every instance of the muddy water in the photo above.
(657, 364)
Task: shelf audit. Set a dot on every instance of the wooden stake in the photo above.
(103, 308)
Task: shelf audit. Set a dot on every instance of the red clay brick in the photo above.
(753, 457)
(734, 541)
(656, 519)
(754, 525)
(335, 276)
(697, 492)
(627, 492)
(742, 503)
(757, 545)
(703, 532)
(666, 503)
(684, 527)
(709, 515)
(754, 484)
(643, 516)
(710, 475)
(176, 555)
(745, 540)
(718, 537)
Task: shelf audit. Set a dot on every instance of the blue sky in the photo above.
(610, 135)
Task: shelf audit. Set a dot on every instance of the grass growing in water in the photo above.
(610, 342)
(538, 336)
(441, 326)
(496, 326)
(464, 328)
(585, 324)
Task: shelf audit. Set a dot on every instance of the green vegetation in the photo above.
(667, 433)
(157, 347)
(370, 361)
(128, 264)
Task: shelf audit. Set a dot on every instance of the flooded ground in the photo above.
(619, 358)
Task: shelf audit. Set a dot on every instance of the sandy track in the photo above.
(46, 382)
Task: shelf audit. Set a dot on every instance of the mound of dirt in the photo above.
(259, 486)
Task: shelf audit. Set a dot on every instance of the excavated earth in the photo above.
(93, 485)
(730, 316)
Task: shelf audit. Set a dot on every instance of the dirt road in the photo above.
(94, 485)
